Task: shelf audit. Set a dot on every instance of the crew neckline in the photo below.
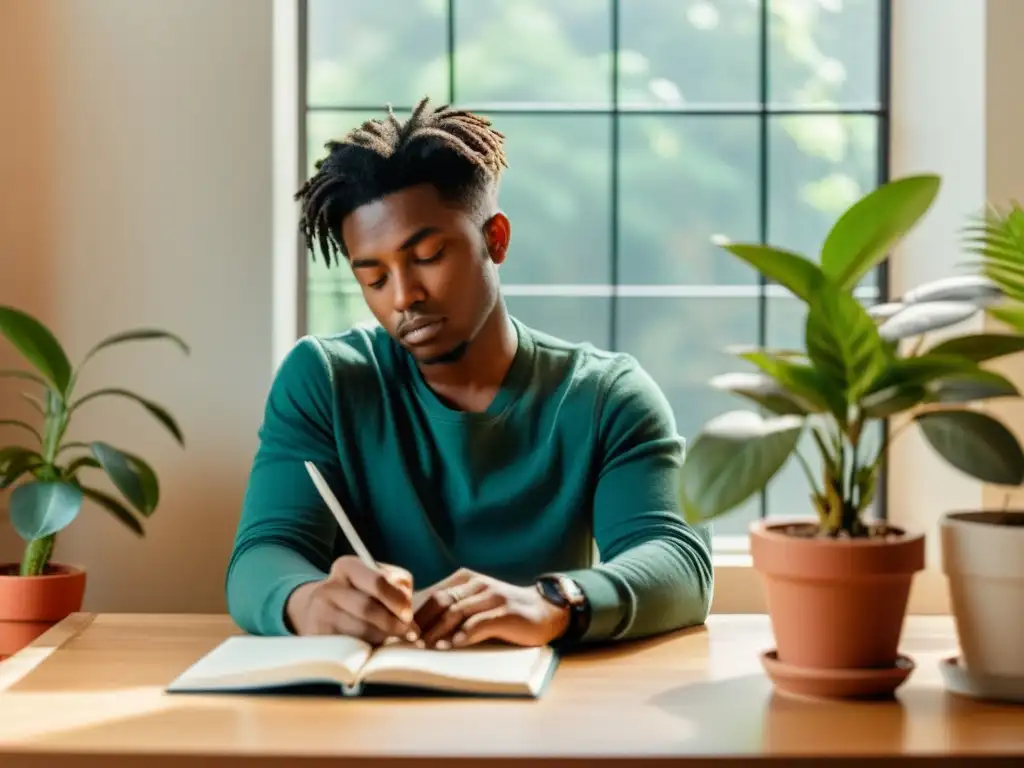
(513, 386)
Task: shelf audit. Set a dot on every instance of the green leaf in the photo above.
(915, 319)
(7, 374)
(39, 509)
(1011, 314)
(80, 463)
(790, 270)
(11, 452)
(15, 461)
(921, 370)
(806, 384)
(980, 346)
(17, 467)
(762, 389)
(971, 387)
(1009, 277)
(38, 345)
(865, 479)
(733, 457)
(976, 444)
(864, 234)
(22, 425)
(132, 476)
(827, 454)
(998, 235)
(35, 402)
(843, 342)
(115, 507)
(137, 334)
(895, 399)
(158, 411)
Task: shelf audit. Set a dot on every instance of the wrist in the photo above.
(568, 602)
(295, 606)
(561, 619)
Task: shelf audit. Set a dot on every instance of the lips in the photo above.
(421, 330)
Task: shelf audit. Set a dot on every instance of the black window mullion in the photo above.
(763, 112)
(762, 213)
(882, 272)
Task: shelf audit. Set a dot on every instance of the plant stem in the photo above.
(38, 551)
(807, 471)
(887, 440)
(853, 475)
(37, 555)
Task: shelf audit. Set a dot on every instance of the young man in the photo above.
(479, 458)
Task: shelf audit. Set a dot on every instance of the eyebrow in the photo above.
(410, 242)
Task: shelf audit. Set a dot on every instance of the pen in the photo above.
(349, 530)
(346, 525)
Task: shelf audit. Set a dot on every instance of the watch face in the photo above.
(570, 590)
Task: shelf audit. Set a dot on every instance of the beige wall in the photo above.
(135, 189)
(1005, 166)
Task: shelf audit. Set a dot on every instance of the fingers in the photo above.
(344, 623)
(479, 598)
(459, 577)
(435, 599)
(373, 603)
(400, 577)
(390, 586)
(486, 625)
(370, 611)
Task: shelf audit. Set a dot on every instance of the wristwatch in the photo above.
(562, 591)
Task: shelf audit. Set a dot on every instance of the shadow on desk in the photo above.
(616, 648)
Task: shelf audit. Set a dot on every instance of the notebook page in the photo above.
(242, 659)
(496, 664)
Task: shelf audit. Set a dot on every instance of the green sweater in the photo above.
(578, 446)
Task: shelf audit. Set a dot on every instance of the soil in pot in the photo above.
(983, 559)
(29, 605)
(837, 604)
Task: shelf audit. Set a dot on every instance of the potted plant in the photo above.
(836, 582)
(983, 550)
(48, 475)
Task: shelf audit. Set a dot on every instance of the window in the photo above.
(755, 119)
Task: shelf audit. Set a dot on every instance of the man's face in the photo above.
(426, 269)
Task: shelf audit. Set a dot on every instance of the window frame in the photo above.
(736, 578)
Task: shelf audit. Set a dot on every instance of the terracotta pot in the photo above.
(29, 605)
(983, 559)
(835, 604)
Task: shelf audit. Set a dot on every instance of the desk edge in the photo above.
(18, 666)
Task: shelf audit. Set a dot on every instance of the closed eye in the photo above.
(431, 259)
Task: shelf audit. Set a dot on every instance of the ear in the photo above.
(497, 234)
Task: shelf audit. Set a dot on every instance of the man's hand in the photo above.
(468, 608)
(355, 600)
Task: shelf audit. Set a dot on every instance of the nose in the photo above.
(408, 291)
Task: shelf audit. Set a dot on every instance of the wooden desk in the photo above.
(90, 693)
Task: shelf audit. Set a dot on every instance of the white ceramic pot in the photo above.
(983, 559)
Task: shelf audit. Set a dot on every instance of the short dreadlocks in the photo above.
(455, 150)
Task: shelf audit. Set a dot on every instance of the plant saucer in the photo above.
(978, 685)
(809, 682)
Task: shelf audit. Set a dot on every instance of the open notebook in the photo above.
(259, 664)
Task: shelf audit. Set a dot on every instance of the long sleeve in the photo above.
(286, 535)
(655, 573)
